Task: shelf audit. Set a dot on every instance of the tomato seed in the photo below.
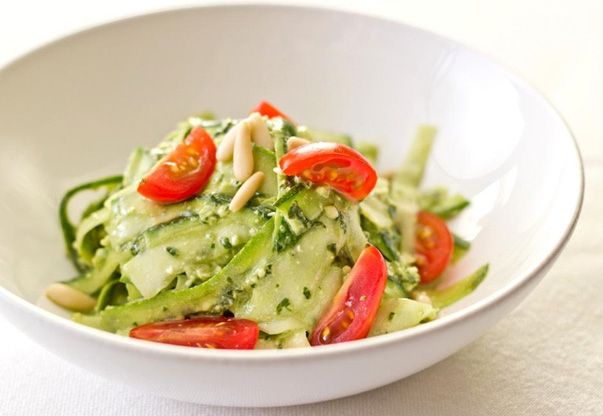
(173, 167)
(337, 325)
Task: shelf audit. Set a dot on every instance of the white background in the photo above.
(544, 358)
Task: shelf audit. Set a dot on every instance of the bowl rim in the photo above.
(326, 351)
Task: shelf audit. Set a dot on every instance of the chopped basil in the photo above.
(296, 212)
(173, 251)
(283, 304)
(307, 293)
(332, 248)
(225, 242)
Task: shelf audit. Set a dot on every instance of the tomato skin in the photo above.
(184, 172)
(206, 332)
(334, 164)
(268, 110)
(355, 305)
(433, 245)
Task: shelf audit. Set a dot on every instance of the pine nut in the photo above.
(294, 142)
(259, 132)
(70, 298)
(243, 153)
(226, 147)
(246, 191)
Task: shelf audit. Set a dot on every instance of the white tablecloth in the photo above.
(546, 358)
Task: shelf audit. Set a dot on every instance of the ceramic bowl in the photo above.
(72, 110)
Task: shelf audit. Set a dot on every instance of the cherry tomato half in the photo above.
(355, 305)
(270, 111)
(333, 164)
(433, 245)
(182, 173)
(207, 332)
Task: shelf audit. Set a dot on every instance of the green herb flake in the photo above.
(391, 316)
(307, 293)
(135, 249)
(284, 304)
(173, 251)
(164, 309)
(391, 209)
(332, 248)
(225, 242)
(342, 223)
(284, 238)
(220, 199)
(229, 297)
(264, 211)
(363, 297)
(296, 212)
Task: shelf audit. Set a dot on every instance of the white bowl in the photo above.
(73, 110)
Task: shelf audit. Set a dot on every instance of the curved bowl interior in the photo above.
(74, 110)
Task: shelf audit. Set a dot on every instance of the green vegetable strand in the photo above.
(67, 226)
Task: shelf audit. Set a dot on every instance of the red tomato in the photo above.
(208, 332)
(182, 173)
(433, 245)
(268, 110)
(355, 305)
(334, 164)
